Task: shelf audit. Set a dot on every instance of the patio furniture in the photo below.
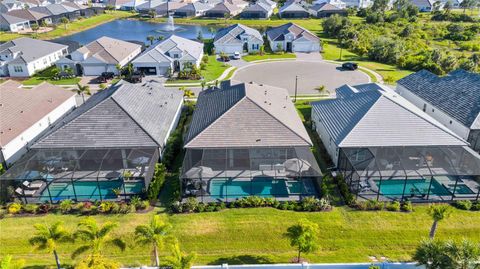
(26, 193)
(32, 185)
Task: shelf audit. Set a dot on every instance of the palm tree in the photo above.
(180, 260)
(431, 254)
(119, 69)
(65, 21)
(151, 38)
(463, 255)
(438, 213)
(154, 234)
(82, 90)
(187, 93)
(160, 38)
(203, 83)
(47, 238)
(95, 238)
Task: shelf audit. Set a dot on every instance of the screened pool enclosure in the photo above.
(227, 174)
(411, 173)
(80, 174)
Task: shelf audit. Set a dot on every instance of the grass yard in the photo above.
(214, 70)
(268, 56)
(46, 76)
(255, 235)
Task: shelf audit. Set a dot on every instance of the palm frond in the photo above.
(80, 251)
(119, 243)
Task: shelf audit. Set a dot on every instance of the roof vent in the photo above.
(21, 111)
(251, 82)
(265, 92)
(258, 140)
(261, 85)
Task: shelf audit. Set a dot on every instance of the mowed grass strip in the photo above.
(256, 235)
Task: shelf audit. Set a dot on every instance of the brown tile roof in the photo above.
(21, 108)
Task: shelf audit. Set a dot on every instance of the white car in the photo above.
(237, 56)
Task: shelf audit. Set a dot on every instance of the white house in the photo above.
(337, 3)
(453, 100)
(358, 3)
(101, 55)
(171, 54)
(24, 56)
(237, 38)
(28, 113)
(292, 38)
(13, 24)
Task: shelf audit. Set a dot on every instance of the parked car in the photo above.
(350, 66)
(108, 75)
(237, 55)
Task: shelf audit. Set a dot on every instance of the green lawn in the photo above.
(46, 75)
(255, 235)
(268, 56)
(214, 70)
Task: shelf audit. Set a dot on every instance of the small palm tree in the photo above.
(154, 234)
(438, 213)
(187, 93)
(203, 84)
(321, 88)
(82, 90)
(151, 38)
(119, 69)
(303, 236)
(65, 21)
(463, 255)
(95, 237)
(160, 38)
(47, 238)
(179, 259)
(7, 262)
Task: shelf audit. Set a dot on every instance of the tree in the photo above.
(203, 83)
(152, 13)
(200, 36)
(7, 262)
(154, 234)
(438, 213)
(303, 236)
(119, 70)
(34, 27)
(65, 21)
(151, 38)
(226, 16)
(321, 88)
(160, 37)
(82, 90)
(95, 237)
(380, 6)
(47, 238)
(463, 255)
(430, 253)
(179, 259)
(187, 93)
(262, 50)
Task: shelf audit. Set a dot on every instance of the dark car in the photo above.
(350, 66)
(108, 75)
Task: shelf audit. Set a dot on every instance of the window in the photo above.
(451, 122)
(433, 110)
(44, 60)
(424, 107)
(18, 69)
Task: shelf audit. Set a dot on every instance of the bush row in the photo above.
(467, 205)
(82, 208)
(308, 204)
(390, 206)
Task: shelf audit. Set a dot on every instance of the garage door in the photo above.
(304, 47)
(93, 70)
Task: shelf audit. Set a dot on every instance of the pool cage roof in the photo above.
(78, 164)
(249, 163)
(402, 162)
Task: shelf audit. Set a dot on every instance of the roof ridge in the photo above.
(105, 49)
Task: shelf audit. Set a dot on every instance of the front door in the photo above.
(289, 46)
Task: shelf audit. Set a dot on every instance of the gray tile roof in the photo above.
(5, 18)
(457, 94)
(159, 53)
(325, 6)
(380, 119)
(109, 50)
(258, 7)
(233, 32)
(31, 49)
(125, 115)
(292, 7)
(347, 90)
(279, 32)
(246, 115)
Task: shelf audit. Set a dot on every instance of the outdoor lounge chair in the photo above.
(26, 193)
(32, 185)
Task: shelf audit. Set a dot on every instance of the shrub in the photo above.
(66, 206)
(407, 206)
(106, 207)
(361, 205)
(136, 201)
(476, 206)
(30, 208)
(205, 59)
(203, 66)
(190, 205)
(201, 207)
(144, 205)
(393, 206)
(254, 201)
(177, 207)
(14, 208)
(374, 205)
(115, 208)
(464, 205)
(45, 208)
(157, 182)
(2, 213)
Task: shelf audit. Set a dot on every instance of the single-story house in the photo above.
(160, 8)
(22, 57)
(423, 5)
(227, 8)
(453, 100)
(106, 149)
(338, 3)
(195, 9)
(13, 24)
(237, 38)
(247, 139)
(8, 5)
(101, 55)
(28, 113)
(358, 3)
(292, 38)
(270, 3)
(31, 15)
(55, 12)
(325, 10)
(386, 148)
(171, 54)
(259, 10)
(292, 10)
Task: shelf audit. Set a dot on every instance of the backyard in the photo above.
(47, 76)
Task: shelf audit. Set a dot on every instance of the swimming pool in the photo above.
(225, 188)
(413, 186)
(88, 190)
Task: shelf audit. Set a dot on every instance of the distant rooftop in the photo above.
(109, 50)
(30, 49)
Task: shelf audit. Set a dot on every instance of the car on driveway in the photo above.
(237, 55)
(350, 66)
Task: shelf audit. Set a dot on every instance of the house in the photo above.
(195, 9)
(259, 10)
(338, 3)
(292, 38)
(226, 8)
(106, 149)
(326, 10)
(33, 16)
(171, 54)
(237, 38)
(55, 12)
(423, 5)
(8, 5)
(358, 3)
(160, 8)
(385, 148)
(292, 10)
(270, 3)
(247, 139)
(22, 57)
(13, 24)
(101, 55)
(28, 113)
(453, 100)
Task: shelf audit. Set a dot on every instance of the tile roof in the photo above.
(259, 6)
(347, 90)
(29, 14)
(325, 6)
(457, 94)
(279, 32)
(232, 34)
(109, 50)
(292, 7)
(160, 52)
(381, 119)
(21, 108)
(11, 19)
(123, 115)
(246, 115)
(31, 49)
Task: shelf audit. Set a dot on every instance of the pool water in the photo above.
(417, 186)
(223, 188)
(88, 190)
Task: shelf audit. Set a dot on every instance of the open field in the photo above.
(255, 235)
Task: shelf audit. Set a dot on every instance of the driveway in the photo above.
(312, 72)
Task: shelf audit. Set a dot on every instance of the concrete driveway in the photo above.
(311, 74)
